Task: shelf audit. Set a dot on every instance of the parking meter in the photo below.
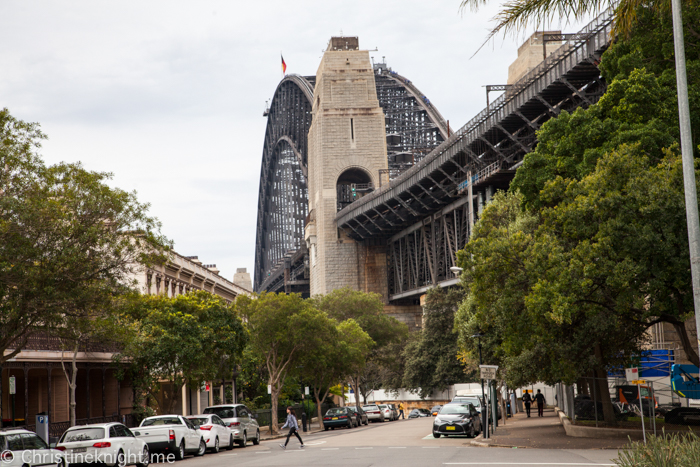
(42, 426)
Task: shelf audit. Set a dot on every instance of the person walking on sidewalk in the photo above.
(293, 426)
(539, 398)
(401, 410)
(527, 400)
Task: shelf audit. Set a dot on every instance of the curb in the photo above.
(577, 431)
(480, 444)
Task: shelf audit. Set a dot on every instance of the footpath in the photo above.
(542, 433)
(311, 427)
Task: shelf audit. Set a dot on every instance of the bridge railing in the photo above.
(547, 72)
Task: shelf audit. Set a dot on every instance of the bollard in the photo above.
(303, 421)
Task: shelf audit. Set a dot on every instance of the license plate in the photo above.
(80, 450)
(335, 418)
(450, 428)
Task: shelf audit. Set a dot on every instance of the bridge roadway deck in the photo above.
(502, 133)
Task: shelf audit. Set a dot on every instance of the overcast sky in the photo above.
(169, 95)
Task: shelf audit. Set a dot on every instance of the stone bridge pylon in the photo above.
(347, 156)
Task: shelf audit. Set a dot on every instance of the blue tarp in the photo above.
(651, 364)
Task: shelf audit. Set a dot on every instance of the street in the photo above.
(400, 443)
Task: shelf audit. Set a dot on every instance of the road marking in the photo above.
(431, 447)
(262, 452)
(522, 463)
(397, 447)
(329, 449)
(364, 448)
(226, 455)
(315, 444)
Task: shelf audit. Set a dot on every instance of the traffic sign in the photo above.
(638, 381)
(488, 371)
(631, 374)
(13, 385)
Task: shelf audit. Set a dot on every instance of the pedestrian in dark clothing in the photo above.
(293, 426)
(527, 400)
(539, 398)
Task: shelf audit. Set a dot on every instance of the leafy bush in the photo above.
(662, 451)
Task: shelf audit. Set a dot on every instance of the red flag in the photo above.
(284, 65)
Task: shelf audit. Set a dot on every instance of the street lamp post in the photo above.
(484, 421)
(234, 386)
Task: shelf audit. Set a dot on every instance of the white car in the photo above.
(111, 444)
(374, 413)
(241, 421)
(386, 411)
(214, 431)
(20, 447)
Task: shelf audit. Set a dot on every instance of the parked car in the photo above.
(110, 444)
(457, 419)
(172, 434)
(435, 410)
(360, 415)
(214, 431)
(473, 400)
(20, 447)
(338, 417)
(417, 413)
(394, 410)
(386, 411)
(240, 419)
(374, 413)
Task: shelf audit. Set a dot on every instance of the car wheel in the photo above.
(121, 460)
(436, 435)
(472, 432)
(242, 443)
(256, 440)
(216, 445)
(350, 424)
(180, 454)
(231, 443)
(366, 422)
(202, 448)
(145, 457)
(326, 428)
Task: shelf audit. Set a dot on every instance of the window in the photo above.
(161, 421)
(113, 432)
(127, 432)
(14, 443)
(32, 441)
(83, 434)
(199, 421)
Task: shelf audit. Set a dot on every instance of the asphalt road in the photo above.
(401, 443)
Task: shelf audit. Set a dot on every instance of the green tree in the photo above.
(367, 310)
(431, 358)
(178, 341)
(68, 241)
(279, 325)
(339, 351)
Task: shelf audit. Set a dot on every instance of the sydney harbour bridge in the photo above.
(438, 180)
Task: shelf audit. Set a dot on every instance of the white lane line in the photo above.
(431, 447)
(329, 449)
(364, 448)
(227, 455)
(262, 452)
(523, 463)
(397, 447)
(315, 443)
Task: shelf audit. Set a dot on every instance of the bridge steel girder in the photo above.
(281, 257)
(502, 133)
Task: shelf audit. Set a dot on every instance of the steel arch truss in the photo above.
(283, 194)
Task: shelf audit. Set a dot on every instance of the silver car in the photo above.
(240, 420)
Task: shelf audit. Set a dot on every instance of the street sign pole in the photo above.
(13, 390)
(488, 373)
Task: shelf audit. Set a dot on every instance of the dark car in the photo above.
(457, 419)
(435, 410)
(337, 418)
(416, 413)
(360, 416)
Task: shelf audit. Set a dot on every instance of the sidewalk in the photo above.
(265, 431)
(542, 433)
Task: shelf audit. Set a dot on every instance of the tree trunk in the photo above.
(274, 424)
(73, 385)
(601, 383)
(317, 396)
(688, 347)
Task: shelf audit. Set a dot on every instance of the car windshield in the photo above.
(370, 407)
(454, 409)
(223, 412)
(383, 406)
(472, 400)
(198, 421)
(338, 411)
(161, 421)
(436, 408)
(83, 434)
